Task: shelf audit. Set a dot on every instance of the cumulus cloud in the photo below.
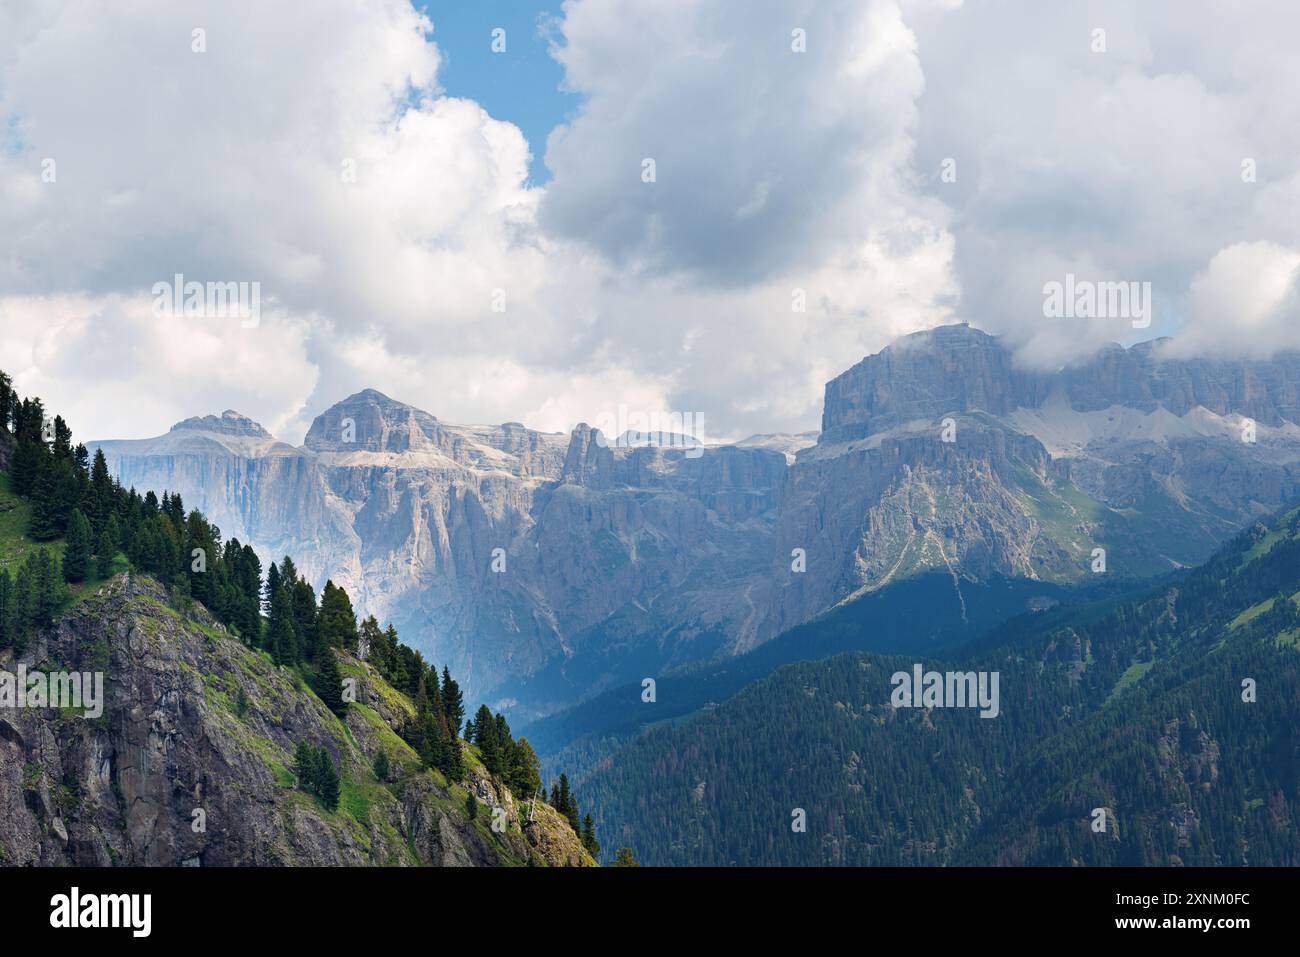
(1125, 155)
(431, 269)
(1245, 303)
(767, 160)
(109, 363)
(398, 244)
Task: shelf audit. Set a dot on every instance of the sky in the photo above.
(692, 207)
(522, 84)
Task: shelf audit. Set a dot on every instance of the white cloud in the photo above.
(1122, 165)
(115, 369)
(776, 171)
(1245, 303)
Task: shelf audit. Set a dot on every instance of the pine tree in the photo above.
(338, 622)
(589, 837)
(101, 486)
(305, 624)
(272, 586)
(453, 703)
(201, 570)
(382, 766)
(7, 397)
(25, 466)
(22, 605)
(372, 647)
(625, 858)
(76, 549)
(562, 796)
(329, 684)
(429, 735)
(281, 639)
(48, 587)
(524, 775)
(485, 736)
(327, 781)
(110, 540)
(6, 595)
(568, 805)
(47, 519)
(304, 765)
(62, 439)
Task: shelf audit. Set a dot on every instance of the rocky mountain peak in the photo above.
(370, 421)
(229, 422)
(956, 369)
(947, 369)
(589, 461)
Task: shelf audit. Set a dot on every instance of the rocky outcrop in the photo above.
(191, 762)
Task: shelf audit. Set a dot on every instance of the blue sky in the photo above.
(521, 85)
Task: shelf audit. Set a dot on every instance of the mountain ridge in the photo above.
(543, 565)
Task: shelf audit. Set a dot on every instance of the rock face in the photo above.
(938, 452)
(194, 721)
(959, 369)
(543, 567)
(499, 550)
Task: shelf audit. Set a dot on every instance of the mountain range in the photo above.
(546, 568)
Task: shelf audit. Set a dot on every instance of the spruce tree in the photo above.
(23, 604)
(485, 736)
(305, 623)
(304, 765)
(280, 638)
(50, 592)
(46, 521)
(524, 776)
(327, 783)
(329, 684)
(6, 604)
(101, 486)
(62, 446)
(588, 837)
(453, 703)
(76, 549)
(625, 858)
(110, 540)
(338, 622)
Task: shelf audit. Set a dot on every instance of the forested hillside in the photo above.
(91, 573)
(1173, 716)
(920, 615)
